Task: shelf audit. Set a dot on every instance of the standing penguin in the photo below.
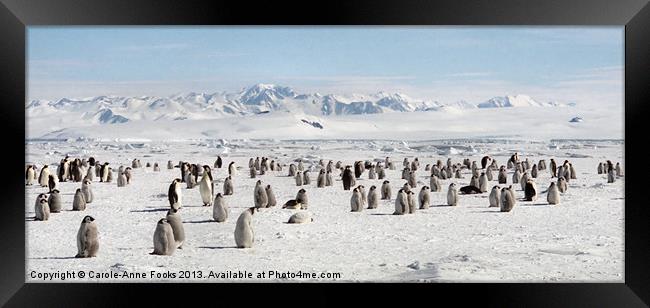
(373, 198)
(41, 208)
(507, 199)
(572, 172)
(231, 169)
(503, 175)
(600, 168)
(175, 221)
(381, 174)
(372, 174)
(170, 165)
(253, 172)
(86, 189)
(270, 196)
(355, 201)
(29, 175)
(385, 191)
(530, 190)
(474, 181)
(424, 198)
(163, 239)
(103, 177)
(190, 180)
(227, 186)
(244, 235)
(98, 170)
(561, 184)
(488, 173)
(109, 175)
(405, 173)
(206, 188)
(292, 170)
(452, 195)
(552, 166)
(155, 167)
(259, 195)
(610, 176)
(329, 179)
(79, 201)
(218, 162)
(174, 194)
(362, 191)
(619, 172)
(358, 169)
(121, 179)
(411, 179)
(305, 178)
(51, 182)
(485, 161)
(495, 196)
(516, 176)
(483, 182)
(87, 238)
(435, 184)
(410, 198)
(401, 203)
(553, 196)
(298, 178)
(90, 174)
(533, 171)
(54, 201)
(220, 209)
(347, 178)
(320, 180)
(301, 198)
(524, 180)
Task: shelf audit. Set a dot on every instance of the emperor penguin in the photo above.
(371, 174)
(387, 161)
(41, 208)
(54, 201)
(301, 167)
(148, 164)
(259, 195)
(330, 166)
(516, 176)
(174, 194)
(164, 243)
(372, 198)
(401, 203)
(104, 172)
(300, 217)
(524, 180)
(98, 170)
(435, 184)
(190, 180)
(410, 198)
(305, 178)
(251, 163)
(79, 201)
(355, 201)
(175, 221)
(231, 169)
(488, 173)
(507, 199)
(156, 168)
(458, 174)
(405, 173)
(561, 184)
(552, 166)
(301, 198)
(298, 178)
(63, 171)
(411, 179)
(320, 181)
(619, 172)
(503, 175)
(244, 235)
(561, 173)
(227, 186)
(553, 195)
(381, 174)
(572, 172)
(406, 163)
(253, 172)
(121, 179)
(51, 182)
(218, 162)
(90, 175)
(347, 178)
(385, 191)
(329, 179)
(358, 169)
(128, 175)
(452, 195)
(270, 196)
(495, 196)
(443, 173)
(364, 197)
(483, 182)
(610, 176)
(206, 188)
(220, 209)
(449, 173)
(427, 167)
(533, 171)
(87, 238)
(29, 175)
(292, 170)
(406, 187)
(170, 165)
(485, 161)
(86, 189)
(530, 190)
(424, 198)
(474, 181)
(600, 168)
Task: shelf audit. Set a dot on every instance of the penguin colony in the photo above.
(168, 232)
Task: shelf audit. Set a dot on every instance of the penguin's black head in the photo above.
(259, 181)
(425, 187)
(177, 180)
(162, 221)
(218, 195)
(88, 219)
(302, 191)
(54, 191)
(172, 211)
(386, 182)
(373, 187)
(252, 210)
(268, 186)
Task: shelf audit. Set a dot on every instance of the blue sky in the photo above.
(581, 64)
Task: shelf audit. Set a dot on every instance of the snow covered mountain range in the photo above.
(257, 99)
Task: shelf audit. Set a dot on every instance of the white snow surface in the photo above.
(581, 239)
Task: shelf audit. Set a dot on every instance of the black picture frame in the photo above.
(16, 15)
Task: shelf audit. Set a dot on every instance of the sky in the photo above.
(446, 64)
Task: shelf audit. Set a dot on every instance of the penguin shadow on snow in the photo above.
(53, 258)
(198, 221)
(219, 247)
(151, 210)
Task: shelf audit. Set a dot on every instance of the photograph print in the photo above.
(324, 154)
